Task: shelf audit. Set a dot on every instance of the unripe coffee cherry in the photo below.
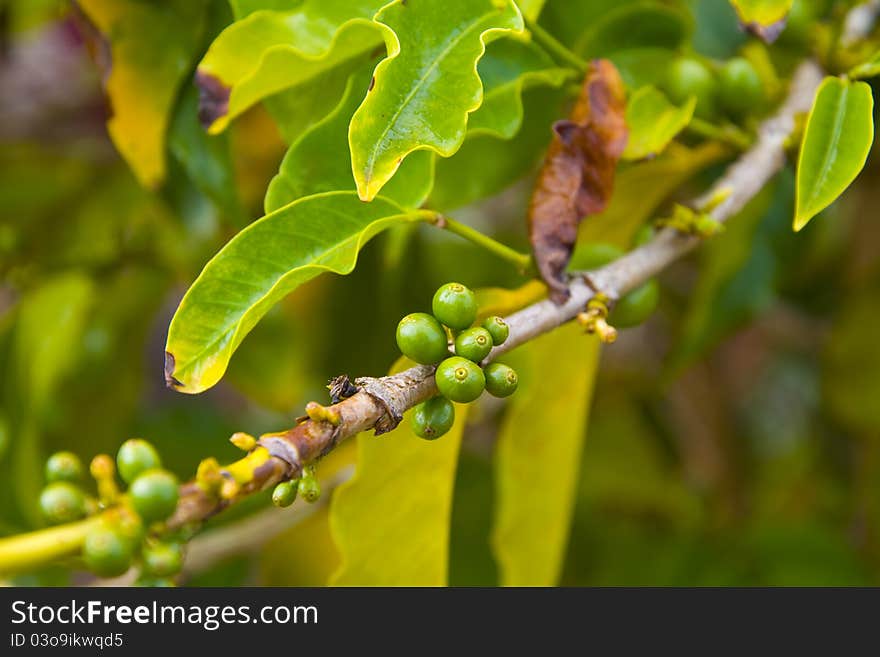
(106, 552)
(433, 418)
(455, 305)
(136, 456)
(309, 488)
(501, 379)
(690, 77)
(593, 255)
(162, 559)
(740, 88)
(285, 493)
(153, 494)
(64, 466)
(635, 307)
(421, 338)
(498, 329)
(62, 502)
(459, 380)
(473, 344)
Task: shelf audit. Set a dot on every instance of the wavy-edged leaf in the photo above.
(538, 455)
(391, 521)
(269, 51)
(318, 161)
(653, 122)
(259, 266)
(835, 145)
(424, 90)
(765, 18)
(151, 50)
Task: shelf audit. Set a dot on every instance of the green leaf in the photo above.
(653, 122)
(636, 26)
(259, 266)
(531, 9)
(423, 92)
(867, 69)
(269, 51)
(836, 142)
(319, 162)
(538, 455)
(764, 16)
(242, 8)
(151, 50)
(391, 521)
(46, 342)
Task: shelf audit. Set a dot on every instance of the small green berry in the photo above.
(153, 494)
(635, 307)
(501, 379)
(130, 526)
(473, 344)
(459, 380)
(593, 255)
(309, 488)
(498, 329)
(285, 493)
(64, 466)
(106, 552)
(433, 418)
(136, 456)
(62, 502)
(740, 88)
(421, 338)
(162, 559)
(690, 77)
(455, 305)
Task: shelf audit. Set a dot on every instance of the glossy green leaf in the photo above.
(653, 122)
(242, 8)
(152, 46)
(867, 69)
(269, 51)
(762, 13)
(640, 25)
(835, 145)
(538, 455)
(259, 266)
(318, 161)
(531, 9)
(423, 92)
(391, 521)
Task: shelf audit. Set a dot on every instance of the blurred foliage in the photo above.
(733, 440)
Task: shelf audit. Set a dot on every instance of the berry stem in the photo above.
(555, 48)
(522, 261)
(27, 551)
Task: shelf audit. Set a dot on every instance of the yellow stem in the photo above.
(34, 549)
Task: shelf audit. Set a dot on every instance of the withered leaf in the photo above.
(578, 173)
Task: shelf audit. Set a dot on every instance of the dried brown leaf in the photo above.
(578, 173)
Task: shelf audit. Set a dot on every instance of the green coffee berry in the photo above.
(690, 77)
(635, 307)
(62, 502)
(285, 493)
(131, 527)
(501, 379)
(593, 255)
(433, 418)
(473, 344)
(459, 380)
(153, 494)
(740, 89)
(421, 338)
(136, 456)
(498, 329)
(309, 488)
(162, 559)
(455, 305)
(64, 466)
(106, 552)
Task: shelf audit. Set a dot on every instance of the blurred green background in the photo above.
(734, 438)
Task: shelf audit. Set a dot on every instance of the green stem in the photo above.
(555, 48)
(36, 549)
(728, 134)
(522, 261)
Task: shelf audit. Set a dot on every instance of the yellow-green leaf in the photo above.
(835, 145)
(653, 122)
(152, 46)
(424, 90)
(269, 51)
(257, 268)
(391, 520)
(867, 69)
(531, 9)
(766, 18)
(538, 455)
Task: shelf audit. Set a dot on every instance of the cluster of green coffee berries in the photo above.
(460, 378)
(122, 534)
(307, 486)
(733, 87)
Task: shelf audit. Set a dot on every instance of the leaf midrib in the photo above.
(831, 155)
